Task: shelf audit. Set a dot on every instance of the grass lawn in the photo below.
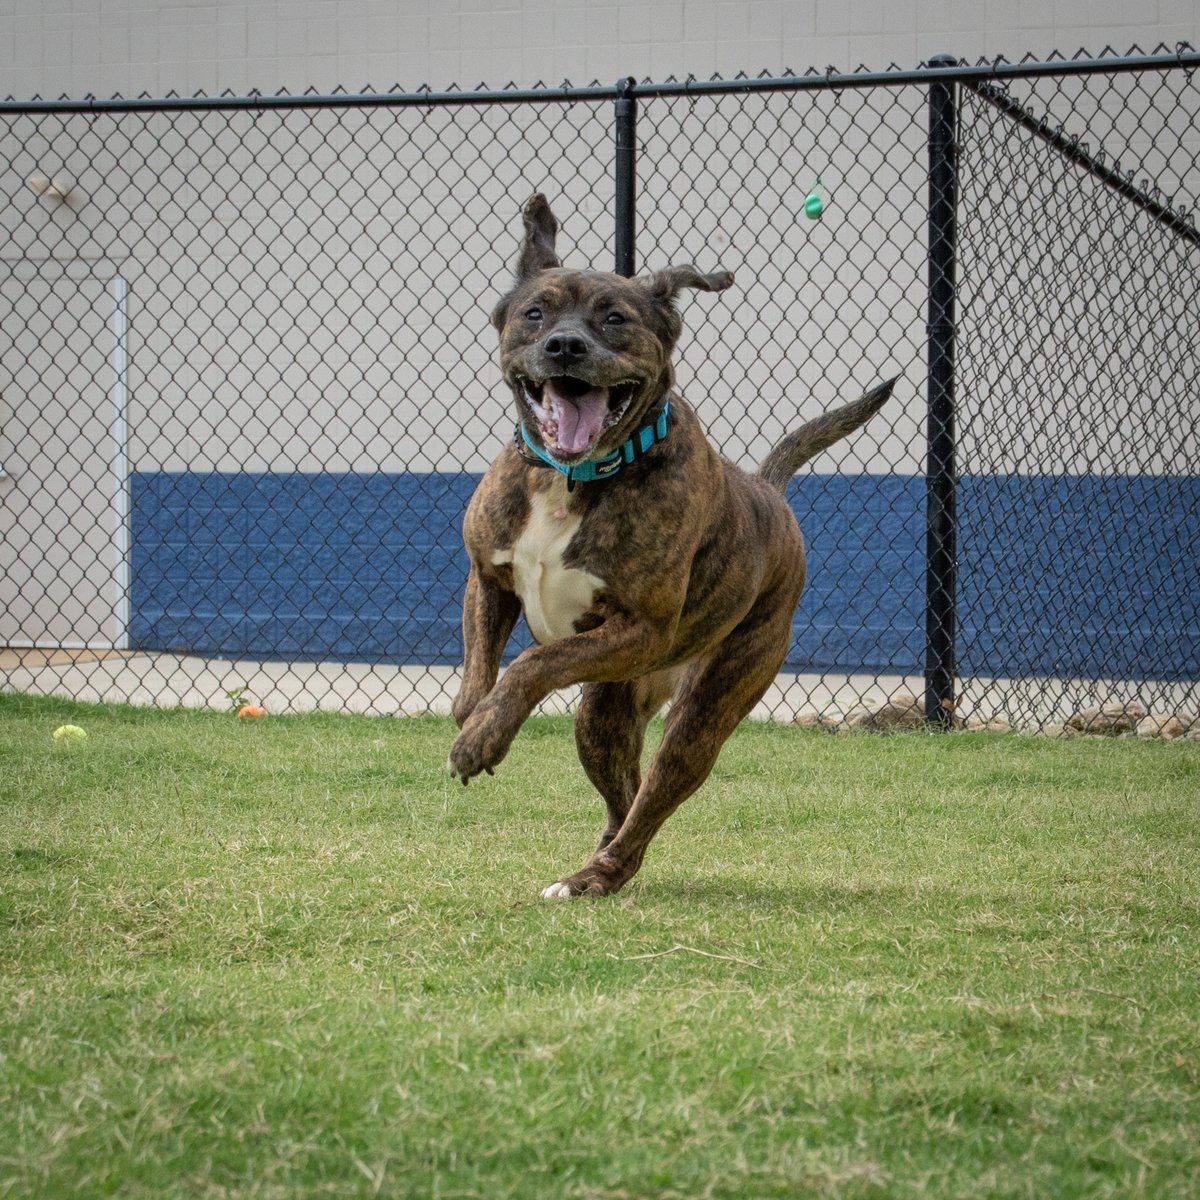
(291, 958)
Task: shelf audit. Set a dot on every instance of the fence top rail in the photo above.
(942, 70)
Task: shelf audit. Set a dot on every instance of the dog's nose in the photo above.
(566, 348)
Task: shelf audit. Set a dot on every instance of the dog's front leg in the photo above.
(619, 649)
(489, 615)
(712, 698)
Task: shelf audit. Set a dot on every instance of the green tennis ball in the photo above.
(70, 733)
(814, 206)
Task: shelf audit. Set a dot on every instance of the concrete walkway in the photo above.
(174, 680)
(384, 689)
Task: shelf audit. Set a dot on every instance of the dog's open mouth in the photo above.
(573, 414)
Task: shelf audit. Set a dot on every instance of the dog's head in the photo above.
(587, 353)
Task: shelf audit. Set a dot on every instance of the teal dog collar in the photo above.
(591, 469)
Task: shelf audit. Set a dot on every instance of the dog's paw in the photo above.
(465, 766)
(595, 879)
(480, 747)
(570, 889)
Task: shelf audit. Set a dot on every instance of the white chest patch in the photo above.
(555, 596)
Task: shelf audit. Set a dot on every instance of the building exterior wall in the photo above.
(80, 47)
(309, 292)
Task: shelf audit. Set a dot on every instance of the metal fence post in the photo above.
(625, 173)
(940, 548)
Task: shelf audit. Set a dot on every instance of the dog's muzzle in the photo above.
(572, 414)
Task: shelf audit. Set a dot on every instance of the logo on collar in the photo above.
(599, 468)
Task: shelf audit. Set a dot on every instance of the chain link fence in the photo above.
(247, 380)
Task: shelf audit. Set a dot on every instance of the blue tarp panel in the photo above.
(1076, 575)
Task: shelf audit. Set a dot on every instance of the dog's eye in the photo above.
(533, 314)
(614, 318)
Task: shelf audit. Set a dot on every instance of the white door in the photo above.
(64, 488)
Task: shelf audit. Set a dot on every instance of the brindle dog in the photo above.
(648, 567)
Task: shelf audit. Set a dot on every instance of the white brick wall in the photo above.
(76, 47)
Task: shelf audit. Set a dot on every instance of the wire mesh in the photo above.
(1079, 396)
(820, 310)
(247, 381)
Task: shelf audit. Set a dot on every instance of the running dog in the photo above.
(648, 567)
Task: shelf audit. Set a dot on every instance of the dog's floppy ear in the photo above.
(541, 228)
(666, 284)
(664, 287)
(537, 248)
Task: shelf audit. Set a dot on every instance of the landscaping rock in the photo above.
(1108, 720)
(816, 720)
(902, 711)
(994, 726)
(1163, 725)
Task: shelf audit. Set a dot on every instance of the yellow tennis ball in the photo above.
(70, 733)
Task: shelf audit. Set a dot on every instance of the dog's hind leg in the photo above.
(713, 698)
(610, 728)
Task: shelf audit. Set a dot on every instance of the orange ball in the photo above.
(252, 710)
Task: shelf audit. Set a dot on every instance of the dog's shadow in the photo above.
(747, 893)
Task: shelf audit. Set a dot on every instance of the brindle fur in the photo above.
(702, 564)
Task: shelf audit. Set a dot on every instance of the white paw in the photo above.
(556, 891)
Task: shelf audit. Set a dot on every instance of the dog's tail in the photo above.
(809, 440)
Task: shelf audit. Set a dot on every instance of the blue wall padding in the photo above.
(1087, 576)
(351, 566)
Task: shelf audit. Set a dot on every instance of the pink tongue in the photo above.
(580, 418)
